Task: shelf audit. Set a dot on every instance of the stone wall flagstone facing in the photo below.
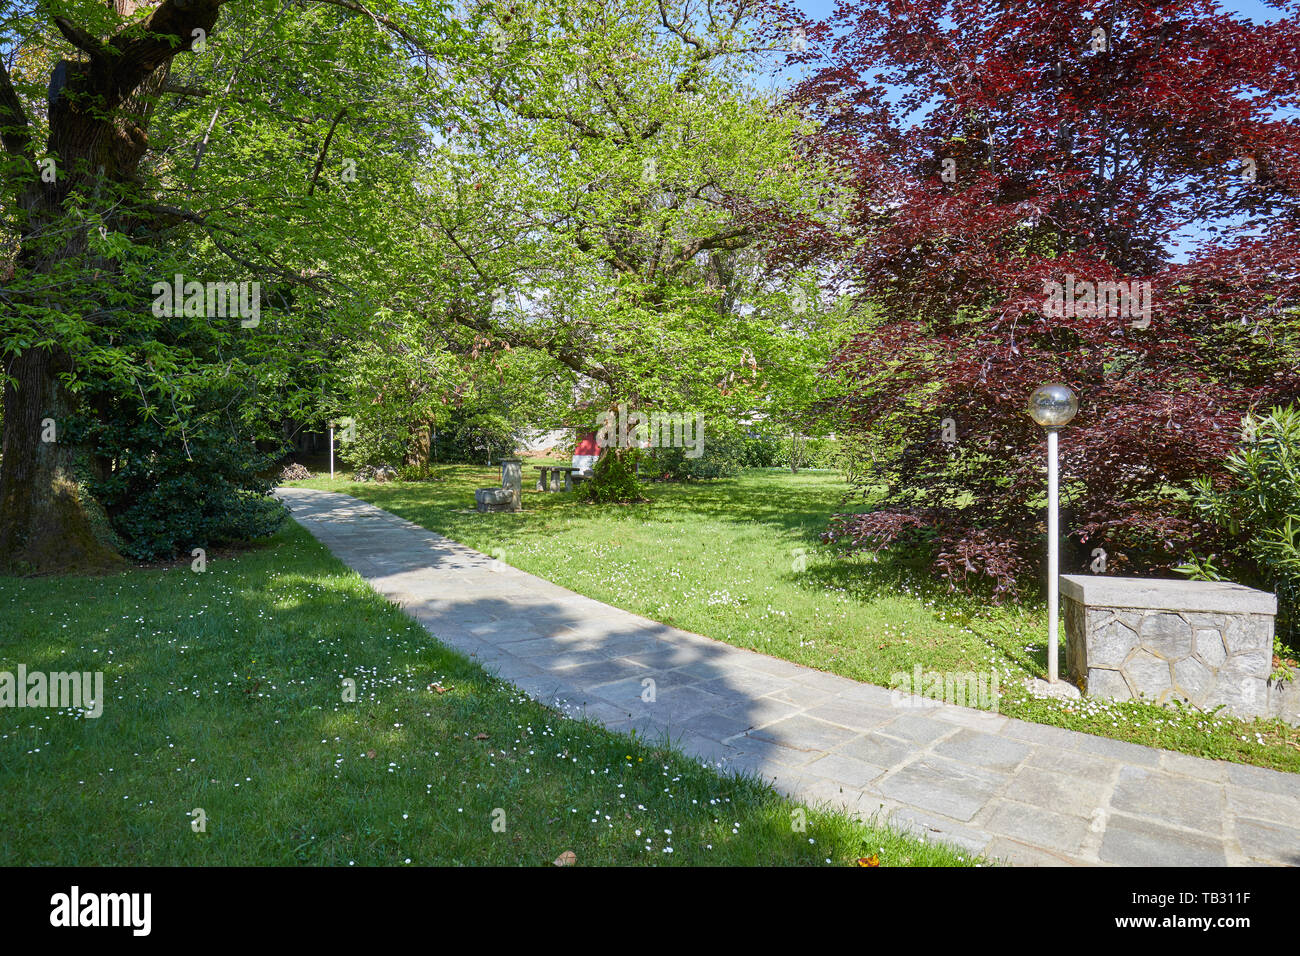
(1208, 643)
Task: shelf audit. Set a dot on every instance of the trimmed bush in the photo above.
(613, 479)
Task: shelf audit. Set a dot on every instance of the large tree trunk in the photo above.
(98, 117)
(45, 522)
(417, 444)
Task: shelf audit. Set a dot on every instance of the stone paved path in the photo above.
(1021, 792)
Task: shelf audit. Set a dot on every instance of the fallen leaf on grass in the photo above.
(567, 858)
(370, 754)
(439, 688)
(872, 860)
(480, 736)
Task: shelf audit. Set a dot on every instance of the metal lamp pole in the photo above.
(1052, 406)
(1053, 553)
(331, 453)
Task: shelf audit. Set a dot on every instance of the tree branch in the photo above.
(174, 215)
(138, 49)
(92, 46)
(320, 160)
(392, 25)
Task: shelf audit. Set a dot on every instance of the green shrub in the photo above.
(722, 456)
(167, 492)
(417, 473)
(808, 452)
(613, 478)
(373, 441)
(762, 451)
(1258, 509)
(476, 439)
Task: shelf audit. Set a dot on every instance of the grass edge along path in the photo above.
(225, 693)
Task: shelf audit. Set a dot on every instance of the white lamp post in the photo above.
(1052, 406)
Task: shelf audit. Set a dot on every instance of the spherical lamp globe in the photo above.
(1053, 405)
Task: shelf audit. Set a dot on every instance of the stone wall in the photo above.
(1204, 643)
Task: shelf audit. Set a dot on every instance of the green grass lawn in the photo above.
(224, 691)
(739, 560)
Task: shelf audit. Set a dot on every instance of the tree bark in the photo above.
(45, 516)
(417, 445)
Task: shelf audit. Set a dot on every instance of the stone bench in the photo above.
(1208, 643)
(507, 497)
(558, 477)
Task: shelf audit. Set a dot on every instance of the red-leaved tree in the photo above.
(1012, 164)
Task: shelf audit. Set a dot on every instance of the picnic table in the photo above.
(549, 478)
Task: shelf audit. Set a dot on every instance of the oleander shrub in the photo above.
(1256, 505)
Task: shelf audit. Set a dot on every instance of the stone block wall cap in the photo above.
(1098, 590)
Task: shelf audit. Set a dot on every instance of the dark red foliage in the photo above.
(1070, 158)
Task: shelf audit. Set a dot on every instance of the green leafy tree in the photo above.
(240, 141)
(621, 181)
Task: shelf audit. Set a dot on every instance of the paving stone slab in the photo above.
(1015, 853)
(846, 770)
(1118, 750)
(802, 695)
(1041, 734)
(1265, 805)
(983, 750)
(917, 729)
(604, 671)
(1075, 764)
(1210, 770)
(720, 725)
(1133, 842)
(1062, 793)
(943, 786)
(1268, 841)
(982, 720)
(1037, 826)
(802, 732)
(1261, 778)
(770, 753)
(1177, 800)
(744, 681)
(931, 827)
(874, 748)
(851, 714)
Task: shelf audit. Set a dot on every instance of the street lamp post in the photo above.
(1052, 406)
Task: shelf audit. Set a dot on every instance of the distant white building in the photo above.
(542, 439)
